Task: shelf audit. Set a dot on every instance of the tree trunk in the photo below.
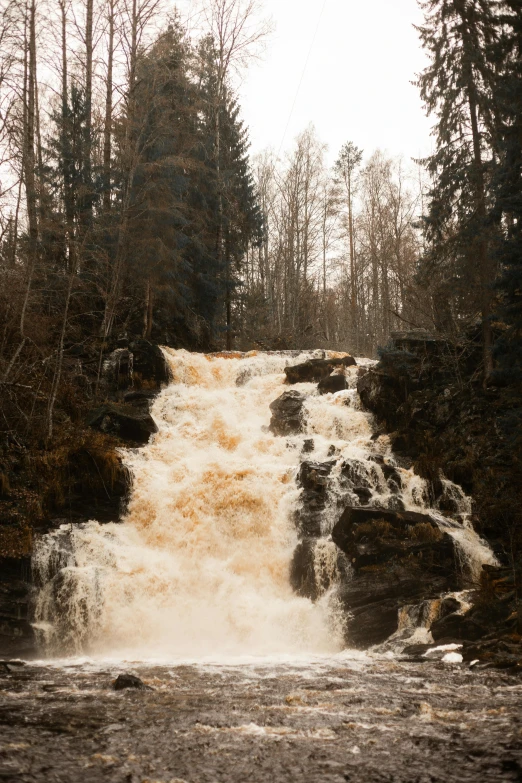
(107, 130)
(87, 211)
(29, 161)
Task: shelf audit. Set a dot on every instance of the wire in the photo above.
(302, 76)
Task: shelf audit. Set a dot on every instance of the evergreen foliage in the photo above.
(508, 194)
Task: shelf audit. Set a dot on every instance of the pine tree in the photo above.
(508, 205)
(457, 86)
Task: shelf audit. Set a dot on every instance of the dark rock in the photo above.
(140, 398)
(448, 606)
(124, 422)
(457, 627)
(315, 370)
(16, 633)
(314, 475)
(364, 494)
(308, 446)
(333, 383)
(370, 536)
(302, 569)
(369, 390)
(149, 363)
(313, 478)
(287, 414)
(356, 473)
(399, 558)
(306, 576)
(123, 681)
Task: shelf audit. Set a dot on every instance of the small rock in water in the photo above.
(123, 681)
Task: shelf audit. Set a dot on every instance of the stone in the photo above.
(124, 681)
(140, 398)
(302, 569)
(313, 479)
(125, 422)
(287, 414)
(457, 627)
(149, 363)
(332, 384)
(398, 558)
(315, 370)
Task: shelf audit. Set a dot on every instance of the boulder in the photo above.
(149, 364)
(141, 398)
(135, 365)
(123, 421)
(333, 383)
(399, 558)
(372, 536)
(315, 370)
(287, 416)
(124, 681)
(456, 628)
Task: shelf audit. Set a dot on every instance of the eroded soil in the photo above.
(355, 720)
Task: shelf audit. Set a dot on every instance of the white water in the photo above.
(200, 567)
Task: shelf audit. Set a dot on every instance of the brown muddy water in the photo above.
(343, 718)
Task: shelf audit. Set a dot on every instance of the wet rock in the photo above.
(124, 681)
(375, 535)
(448, 606)
(314, 475)
(16, 632)
(313, 479)
(149, 363)
(141, 398)
(457, 627)
(134, 365)
(364, 494)
(287, 414)
(315, 370)
(308, 446)
(399, 558)
(124, 422)
(333, 383)
(302, 569)
(312, 572)
(356, 473)
(369, 389)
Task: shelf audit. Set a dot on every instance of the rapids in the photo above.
(199, 568)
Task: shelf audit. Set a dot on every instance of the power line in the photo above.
(302, 75)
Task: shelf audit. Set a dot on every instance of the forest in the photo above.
(131, 207)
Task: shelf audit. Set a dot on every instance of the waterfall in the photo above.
(200, 565)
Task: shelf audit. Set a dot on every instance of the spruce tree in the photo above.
(508, 204)
(457, 86)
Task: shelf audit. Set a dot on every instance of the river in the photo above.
(246, 681)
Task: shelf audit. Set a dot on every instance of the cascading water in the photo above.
(201, 564)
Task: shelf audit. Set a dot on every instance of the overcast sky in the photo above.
(357, 84)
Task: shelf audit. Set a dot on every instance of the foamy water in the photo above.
(200, 567)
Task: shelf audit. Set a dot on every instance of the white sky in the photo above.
(357, 84)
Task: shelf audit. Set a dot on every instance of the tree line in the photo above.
(127, 197)
(130, 206)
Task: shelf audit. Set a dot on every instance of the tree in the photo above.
(508, 192)
(347, 163)
(457, 86)
(236, 36)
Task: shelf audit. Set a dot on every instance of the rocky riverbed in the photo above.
(346, 718)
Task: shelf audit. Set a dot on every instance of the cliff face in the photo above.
(79, 476)
(428, 394)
